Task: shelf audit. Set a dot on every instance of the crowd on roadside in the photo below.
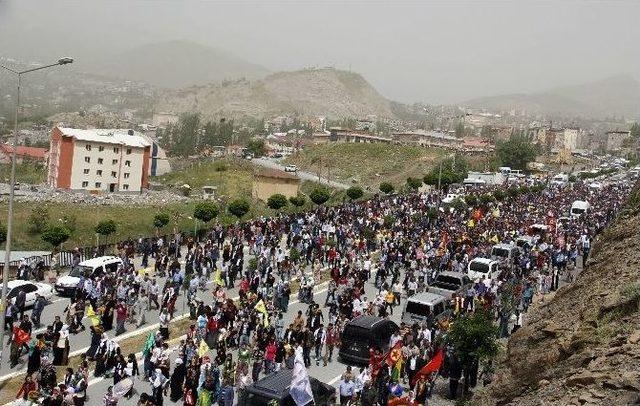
(370, 254)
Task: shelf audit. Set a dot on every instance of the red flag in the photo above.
(20, 336)
(432, 366)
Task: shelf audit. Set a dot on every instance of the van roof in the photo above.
(366, 321)
(93, 262)
(276, 383)
(427, 297)
(453, 274)
(485, 261)
(503, 246)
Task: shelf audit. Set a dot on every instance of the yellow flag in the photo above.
(217, 278)
(471, 223)
(202, 349)
(263, 309)
(91, 315)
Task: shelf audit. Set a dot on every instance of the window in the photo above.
(125, 187)
(100, 160)
(85, 184)
(98, 185)
(86, 171)
(114, 174)
(126, 176)
(88, 147)
(128, 151)
(114, 162)
(116, 150)
(99, 172)
(100, 148)
(87, 159)
(127, 163)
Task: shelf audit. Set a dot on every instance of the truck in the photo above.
(485, 178)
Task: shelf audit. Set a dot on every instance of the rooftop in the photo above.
(107, 136)
(22, 151)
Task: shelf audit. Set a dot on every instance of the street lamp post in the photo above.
(7, 249)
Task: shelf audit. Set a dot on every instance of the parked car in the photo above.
(448, 283)
(483, 269)
(362, 333)
(504, 253)
(275, 387)
(30, 288)
(66, 285)
(291, 168)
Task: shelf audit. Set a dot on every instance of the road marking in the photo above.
(334, 380)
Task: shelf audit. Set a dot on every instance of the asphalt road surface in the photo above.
(267, 163)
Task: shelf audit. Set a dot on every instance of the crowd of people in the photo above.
(371, 254)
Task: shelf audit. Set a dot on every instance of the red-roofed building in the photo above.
(23, 154)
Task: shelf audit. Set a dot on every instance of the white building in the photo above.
(99, 160)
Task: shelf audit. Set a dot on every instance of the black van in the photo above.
(275, 386)
(362, 333)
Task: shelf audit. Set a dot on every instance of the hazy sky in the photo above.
(432, 51)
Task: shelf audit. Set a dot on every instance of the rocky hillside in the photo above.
(325, 92)
(581, 346)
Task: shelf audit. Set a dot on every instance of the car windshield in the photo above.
(576, 210)
(479, 267)
(447, 281)
(500, 252)
(418, 308)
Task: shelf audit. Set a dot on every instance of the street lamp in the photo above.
(7, 249)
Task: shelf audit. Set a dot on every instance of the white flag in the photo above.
(300, 389)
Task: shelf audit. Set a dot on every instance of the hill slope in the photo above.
(327, 92)
(176, 64)
(617, 95)
(581, 345)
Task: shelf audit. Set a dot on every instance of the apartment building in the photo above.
(99, 160)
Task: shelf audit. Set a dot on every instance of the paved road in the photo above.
(267, 163)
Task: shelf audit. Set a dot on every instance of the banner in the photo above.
(202, 349)
(217, 278)
(262, 309)
(149, 344)
(300, 389)
(91, 315)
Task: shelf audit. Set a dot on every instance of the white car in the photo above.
(450, 198)
(30, 288)
(291, 168)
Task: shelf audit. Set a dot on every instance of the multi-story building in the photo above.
(616, 139)
(98, 160)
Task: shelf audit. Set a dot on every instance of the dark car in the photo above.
(363, 333)
(276, 387)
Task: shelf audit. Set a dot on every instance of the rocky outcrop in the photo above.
(581, 345)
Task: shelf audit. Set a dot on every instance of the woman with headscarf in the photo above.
(35, 351)
(177, 380)
(61, 347)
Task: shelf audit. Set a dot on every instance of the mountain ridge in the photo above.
(612, 96)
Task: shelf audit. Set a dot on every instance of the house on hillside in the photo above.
(615, 140)
(427, 139)
(267, 182)
(23, 154)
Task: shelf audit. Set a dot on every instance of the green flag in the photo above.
(149, 344)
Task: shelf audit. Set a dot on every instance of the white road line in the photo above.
(334, 380)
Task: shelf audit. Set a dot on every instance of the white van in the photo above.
(579, 207)
(483, 269)
(560, 179)
(66, 285)
(425, 307)
(504, 253)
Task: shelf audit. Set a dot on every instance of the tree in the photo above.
(414, 183)
(205, 211)
(160, 220)
(185, 135)
(432, 213)
(297, 201)
(460, 130)
(55, 235)
(69, 222)
(210, 136)
(471, 200)
(517, 152)
(355, 192)
(238, 207)
(499, 195)
(277, 201)
(319, 195)
(256, 147)
(513, 191)
(105, 228)
(486, 198)
(474, 338)
(448, 171)
(386, 188)
(635, 130)
(3, 234)
(38, 219)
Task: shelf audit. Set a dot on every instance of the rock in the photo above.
(586, 398)
(634, 338)
(543, 383)
(585, 378)
(552, 329)
(596, 394)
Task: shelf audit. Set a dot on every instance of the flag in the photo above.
(394, 354)
(432, 366)
(149, 344)
(20, 336)
(202, 349)
(262, 309)
(300, 389)
(91, 315)
(217, 278)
